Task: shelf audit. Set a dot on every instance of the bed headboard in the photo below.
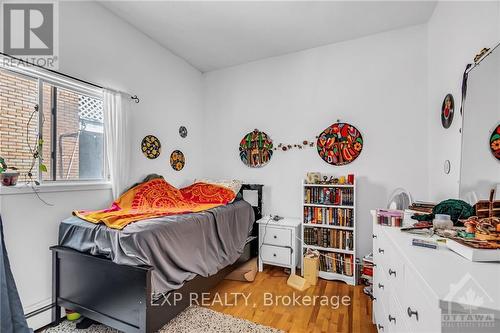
(258, 208)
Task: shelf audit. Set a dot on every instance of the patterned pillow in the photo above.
(234, 185)
(205, 193)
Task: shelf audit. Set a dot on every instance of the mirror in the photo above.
(480, 169)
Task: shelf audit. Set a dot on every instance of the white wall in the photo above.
(113, 53)
(97, 46)
(457, 32)
(377, 83)
(30, 227)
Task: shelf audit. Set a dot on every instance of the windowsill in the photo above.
(21, 188)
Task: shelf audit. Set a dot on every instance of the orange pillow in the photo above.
(208, 193)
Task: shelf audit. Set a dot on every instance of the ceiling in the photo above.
(214, 35)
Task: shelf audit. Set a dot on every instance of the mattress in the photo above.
(178, 247)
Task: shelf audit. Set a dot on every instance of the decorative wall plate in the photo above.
(340, 144)
(256, 149)
(177, 160)
(183, 132)
(447, 110)
(495, 142)
(151, 146)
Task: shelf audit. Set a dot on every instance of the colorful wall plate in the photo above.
(177, 160)
(183, 132)
(256, 149)
(495, 142)
(151, 146)
(339, 144)
(447, 110)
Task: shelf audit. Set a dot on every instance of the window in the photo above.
(69, 122)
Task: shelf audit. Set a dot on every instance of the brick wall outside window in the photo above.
(18, 96)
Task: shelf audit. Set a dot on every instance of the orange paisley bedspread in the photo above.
(156, 198)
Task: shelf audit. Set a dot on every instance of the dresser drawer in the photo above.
(276, 255)
(382, 249)
(420, 314)
(396, 319)
(276, 236)
(380, 317)
(381, 289)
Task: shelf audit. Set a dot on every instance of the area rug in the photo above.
(194, 319)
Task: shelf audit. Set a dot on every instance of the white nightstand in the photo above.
(279, 244)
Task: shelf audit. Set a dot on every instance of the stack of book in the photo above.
(329, 216)
(423, 207)
(329, 196)
(336, 263)
(367, 274)
(390, 217)
(329, 238)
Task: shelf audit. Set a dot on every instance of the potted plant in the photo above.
(8, 175)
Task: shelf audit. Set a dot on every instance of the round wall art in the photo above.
(256, 149)
(151, 146)
(183, 132)
(447, 110)
(177, 160)
(495, 142)
(339, 144)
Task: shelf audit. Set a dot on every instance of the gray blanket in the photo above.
(179, 247)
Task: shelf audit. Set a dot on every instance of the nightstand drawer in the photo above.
(276, 236)
(275, 254)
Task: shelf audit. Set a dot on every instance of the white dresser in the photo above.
(431, 290)
(279, 244)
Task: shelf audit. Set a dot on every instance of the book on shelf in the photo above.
(329, 196)
(329, 238)
(336, 263)
(329, 226)
(329, 216)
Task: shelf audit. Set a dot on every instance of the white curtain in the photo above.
(116, 132)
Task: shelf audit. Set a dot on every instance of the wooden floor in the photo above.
(299, 318)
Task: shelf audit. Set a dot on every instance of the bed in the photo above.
(139, 278)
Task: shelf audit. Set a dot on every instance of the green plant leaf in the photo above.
(43, 168)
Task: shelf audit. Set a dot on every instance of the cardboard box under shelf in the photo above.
(311, 270)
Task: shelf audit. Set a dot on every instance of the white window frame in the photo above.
(65, 83)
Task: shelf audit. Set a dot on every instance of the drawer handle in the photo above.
(391, 272)
(411, 313)
(380, 327)
(380, 250)
(391, 318)
(380, 286)
(374, 236)
(274, 254)
(275, 236)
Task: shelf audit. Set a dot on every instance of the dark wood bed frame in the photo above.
(120, 296)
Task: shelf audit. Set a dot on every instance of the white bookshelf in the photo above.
(331, 222)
